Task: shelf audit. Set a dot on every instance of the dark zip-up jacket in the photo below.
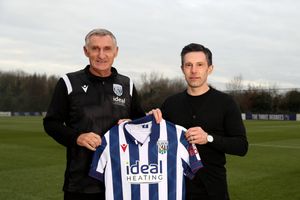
(84, 103)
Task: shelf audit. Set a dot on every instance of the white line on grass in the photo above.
(276, 146)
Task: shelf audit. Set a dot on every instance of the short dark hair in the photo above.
(193, 47)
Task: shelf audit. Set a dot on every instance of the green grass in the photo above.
(32, 164)
(271, 169)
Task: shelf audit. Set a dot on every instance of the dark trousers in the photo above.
(208, 197)
(83, 196)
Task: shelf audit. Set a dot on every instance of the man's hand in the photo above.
(123, 120)
(89, 140)
(157, 114)
(196, 135)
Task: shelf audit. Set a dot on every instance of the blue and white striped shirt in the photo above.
(145, 160)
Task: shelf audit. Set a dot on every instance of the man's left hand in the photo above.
(157, 114)
(196, 135)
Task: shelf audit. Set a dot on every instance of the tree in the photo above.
(235, 88)
(235, 85)
(292, 101)
(155, 88)
(21, 92)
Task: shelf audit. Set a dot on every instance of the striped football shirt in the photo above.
(145, 160)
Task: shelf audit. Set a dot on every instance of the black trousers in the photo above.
(208, 197)
(83, 196)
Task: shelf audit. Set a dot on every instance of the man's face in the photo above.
(101, 51)
(196, 70)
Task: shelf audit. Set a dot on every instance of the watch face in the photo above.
(210, 138)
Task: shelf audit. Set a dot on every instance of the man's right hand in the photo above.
(89, 140)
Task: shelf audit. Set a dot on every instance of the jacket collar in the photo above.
(91, 76)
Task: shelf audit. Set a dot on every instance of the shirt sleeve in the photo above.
(99, 161)
(57, 116)
(235, 141)
(191, 160)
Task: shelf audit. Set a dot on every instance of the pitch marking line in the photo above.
(276, 146)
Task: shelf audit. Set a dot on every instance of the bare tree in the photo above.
(155, 88)
(236, 84)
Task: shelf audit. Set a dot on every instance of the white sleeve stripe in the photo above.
(131, 87)
(68, 83)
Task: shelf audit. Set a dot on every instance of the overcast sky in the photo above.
(257, 39)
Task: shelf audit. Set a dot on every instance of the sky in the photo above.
(258, 40)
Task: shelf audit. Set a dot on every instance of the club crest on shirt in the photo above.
(162, 146)
(118, 89)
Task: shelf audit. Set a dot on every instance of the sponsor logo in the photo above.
(119, 101)
(118, 89)
(144, 173)
(85, 88)
(162, 146)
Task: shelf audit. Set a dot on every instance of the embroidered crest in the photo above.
(118, 90)
(162, 146)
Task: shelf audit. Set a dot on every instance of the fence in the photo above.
(280, 117)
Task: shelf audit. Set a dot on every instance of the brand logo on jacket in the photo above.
(85, 88)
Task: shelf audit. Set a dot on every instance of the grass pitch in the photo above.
(271, 169)
(32, 164)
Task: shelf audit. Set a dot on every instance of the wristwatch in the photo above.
(210, 138)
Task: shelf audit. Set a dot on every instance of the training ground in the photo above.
(32, 164)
